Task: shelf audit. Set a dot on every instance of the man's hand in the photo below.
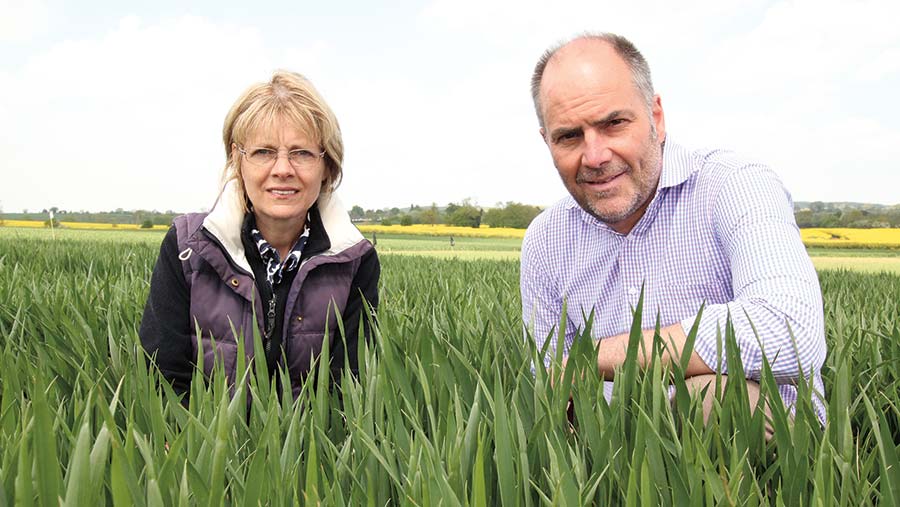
(611, 353)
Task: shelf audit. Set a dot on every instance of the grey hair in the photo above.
(640, 70)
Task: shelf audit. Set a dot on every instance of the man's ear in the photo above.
(659, 117)
(544, 135)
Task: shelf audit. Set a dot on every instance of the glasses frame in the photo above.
(246, 156)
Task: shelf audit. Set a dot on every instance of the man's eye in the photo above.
(568, 136)
(618, 122)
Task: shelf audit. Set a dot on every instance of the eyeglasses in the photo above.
(266, 157)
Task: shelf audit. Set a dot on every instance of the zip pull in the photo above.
(270, 318)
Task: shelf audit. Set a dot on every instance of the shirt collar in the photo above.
(677, 167)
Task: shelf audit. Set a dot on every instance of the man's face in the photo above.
(603, 140)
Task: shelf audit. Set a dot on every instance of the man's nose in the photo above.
(596, 150)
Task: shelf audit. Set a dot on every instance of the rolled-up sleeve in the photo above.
(777, 307)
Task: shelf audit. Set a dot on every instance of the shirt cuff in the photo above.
(707, 341)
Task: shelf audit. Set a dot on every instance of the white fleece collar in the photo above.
(225, 220)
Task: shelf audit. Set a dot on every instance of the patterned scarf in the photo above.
(274, 266)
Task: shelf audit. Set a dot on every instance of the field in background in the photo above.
(446, 411)
(817, 237)
(443, 230)
(852, 238)
(85, 226)
(870, 259)
(861, 264)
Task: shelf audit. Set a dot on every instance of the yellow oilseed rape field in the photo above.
(37, 224)
(852, 238)
(829, 237)
(444, 230)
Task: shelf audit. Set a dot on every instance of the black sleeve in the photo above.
(363, 287)
(165, 328)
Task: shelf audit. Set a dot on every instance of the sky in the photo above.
(107, 104)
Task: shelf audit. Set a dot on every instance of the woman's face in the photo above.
(281, 191)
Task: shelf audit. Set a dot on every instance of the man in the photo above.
(689, 227)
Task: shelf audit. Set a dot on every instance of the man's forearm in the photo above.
(611, 351)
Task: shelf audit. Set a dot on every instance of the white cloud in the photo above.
(472, 136)
(800, 44)
(132, 118)
(771, 79)
(649, 24)
(22, 20)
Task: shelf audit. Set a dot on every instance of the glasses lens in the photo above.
(261, 156)
(302, 158)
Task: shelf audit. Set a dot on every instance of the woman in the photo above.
(277, 243)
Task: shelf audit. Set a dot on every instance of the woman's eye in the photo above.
(302, 154)
(262, 152)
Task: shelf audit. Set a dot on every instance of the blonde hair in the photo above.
(289, 97)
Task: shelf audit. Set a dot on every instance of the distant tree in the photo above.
(147, 224)
(386, 221)
(430, 215)
(52, 222)
(493, 217)
(357, 213)
(406, 220)
(804, 218)
(513, 214)
(850, 216)
(466, 215)
(829, 220)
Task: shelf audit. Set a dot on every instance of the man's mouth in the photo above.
(598, 181)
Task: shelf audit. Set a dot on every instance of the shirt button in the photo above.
(632, 291)
(300, 319)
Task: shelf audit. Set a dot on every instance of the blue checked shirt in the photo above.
(719, 230)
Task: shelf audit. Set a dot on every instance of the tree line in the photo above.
(851, 215)
(143, 218)
(463, 214)
(468, 214)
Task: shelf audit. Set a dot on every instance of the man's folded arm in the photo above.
(777, 306)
